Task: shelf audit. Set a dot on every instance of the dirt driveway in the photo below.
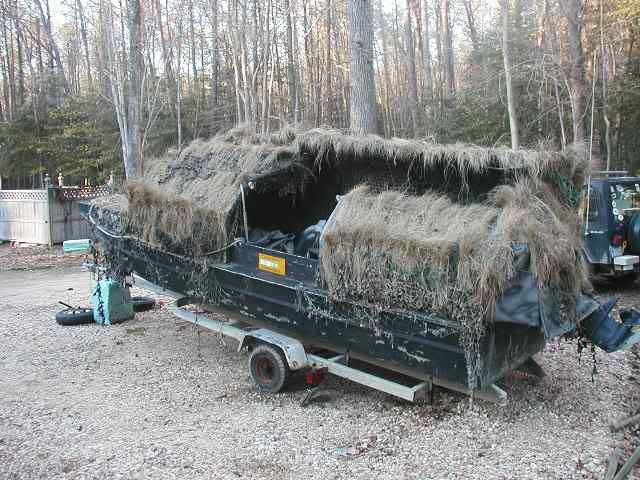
(156, 398)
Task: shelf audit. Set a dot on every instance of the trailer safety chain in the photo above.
(98, 291)
(583, 344)
(299, 296)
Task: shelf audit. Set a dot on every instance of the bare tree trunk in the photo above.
(441, 75)
(299, 94)
(364, 114)
(192, 49)
(235, 54)
(6, 113)
(55, 52)
(388, 124)
(473, 30)
(10, 80)
(411, 72)
(179, 84)
(573, 11)
(19, 46)
(291, 72)
(133, 160)
(85, 42)
(215, 55)
(450, 61)
(330, 93)
(605, 103)
(506, 55)
(426, 63)
(116, 75)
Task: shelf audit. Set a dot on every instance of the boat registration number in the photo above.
(271, 264)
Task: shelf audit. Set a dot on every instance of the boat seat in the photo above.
(307, 243)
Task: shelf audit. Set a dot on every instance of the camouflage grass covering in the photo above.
(419, 226)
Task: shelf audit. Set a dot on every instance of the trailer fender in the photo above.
(292, 349)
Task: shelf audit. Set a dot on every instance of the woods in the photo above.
(92, 86)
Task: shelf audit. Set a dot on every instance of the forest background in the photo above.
(93, 86)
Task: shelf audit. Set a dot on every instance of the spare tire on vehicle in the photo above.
(142, 304)
(633, 235)
(74, 316)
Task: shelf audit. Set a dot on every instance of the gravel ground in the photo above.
(35, 257)
(157, 398)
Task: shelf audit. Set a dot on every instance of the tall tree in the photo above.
(45, 18)
(85, 41)
(411, 71)
(364, 110)
(135, 67)
(426, 61)
(450, 69)
(506, 55)
(573, 12)
(291, 69)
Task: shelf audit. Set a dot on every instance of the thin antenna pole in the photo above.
(244, 215)
(593, 108)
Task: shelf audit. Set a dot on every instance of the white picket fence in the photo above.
(47, 216)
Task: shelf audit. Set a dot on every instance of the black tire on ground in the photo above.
(269, 369)
(142, 304)
(74, 316)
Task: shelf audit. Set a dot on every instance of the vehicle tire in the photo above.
(628, 279)
(269, 369)
(74, 316)
(633, 235)
(142, 304)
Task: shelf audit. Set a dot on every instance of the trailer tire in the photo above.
(269, 369)
(74, 316)
(142, 304)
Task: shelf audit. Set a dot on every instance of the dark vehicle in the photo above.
(610, 212)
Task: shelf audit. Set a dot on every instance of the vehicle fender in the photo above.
(293, 350)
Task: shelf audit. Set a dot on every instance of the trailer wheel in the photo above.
(269, 369)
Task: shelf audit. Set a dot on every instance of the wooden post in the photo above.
(51, 198)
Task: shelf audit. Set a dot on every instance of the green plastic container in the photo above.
(111, 303)
(76, 246)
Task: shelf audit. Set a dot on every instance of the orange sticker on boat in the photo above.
(268, 263)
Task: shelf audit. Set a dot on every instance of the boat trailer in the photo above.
(296, 357)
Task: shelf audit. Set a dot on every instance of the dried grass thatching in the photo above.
(427, 253)
(422, 226)
(191, 200)
(423, 252)
(458, 160)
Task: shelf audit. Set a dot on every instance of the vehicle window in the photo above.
(595, 207)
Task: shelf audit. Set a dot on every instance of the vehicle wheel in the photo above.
(142, 304)
(74, 316)
(269, 368)
(628, 279)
